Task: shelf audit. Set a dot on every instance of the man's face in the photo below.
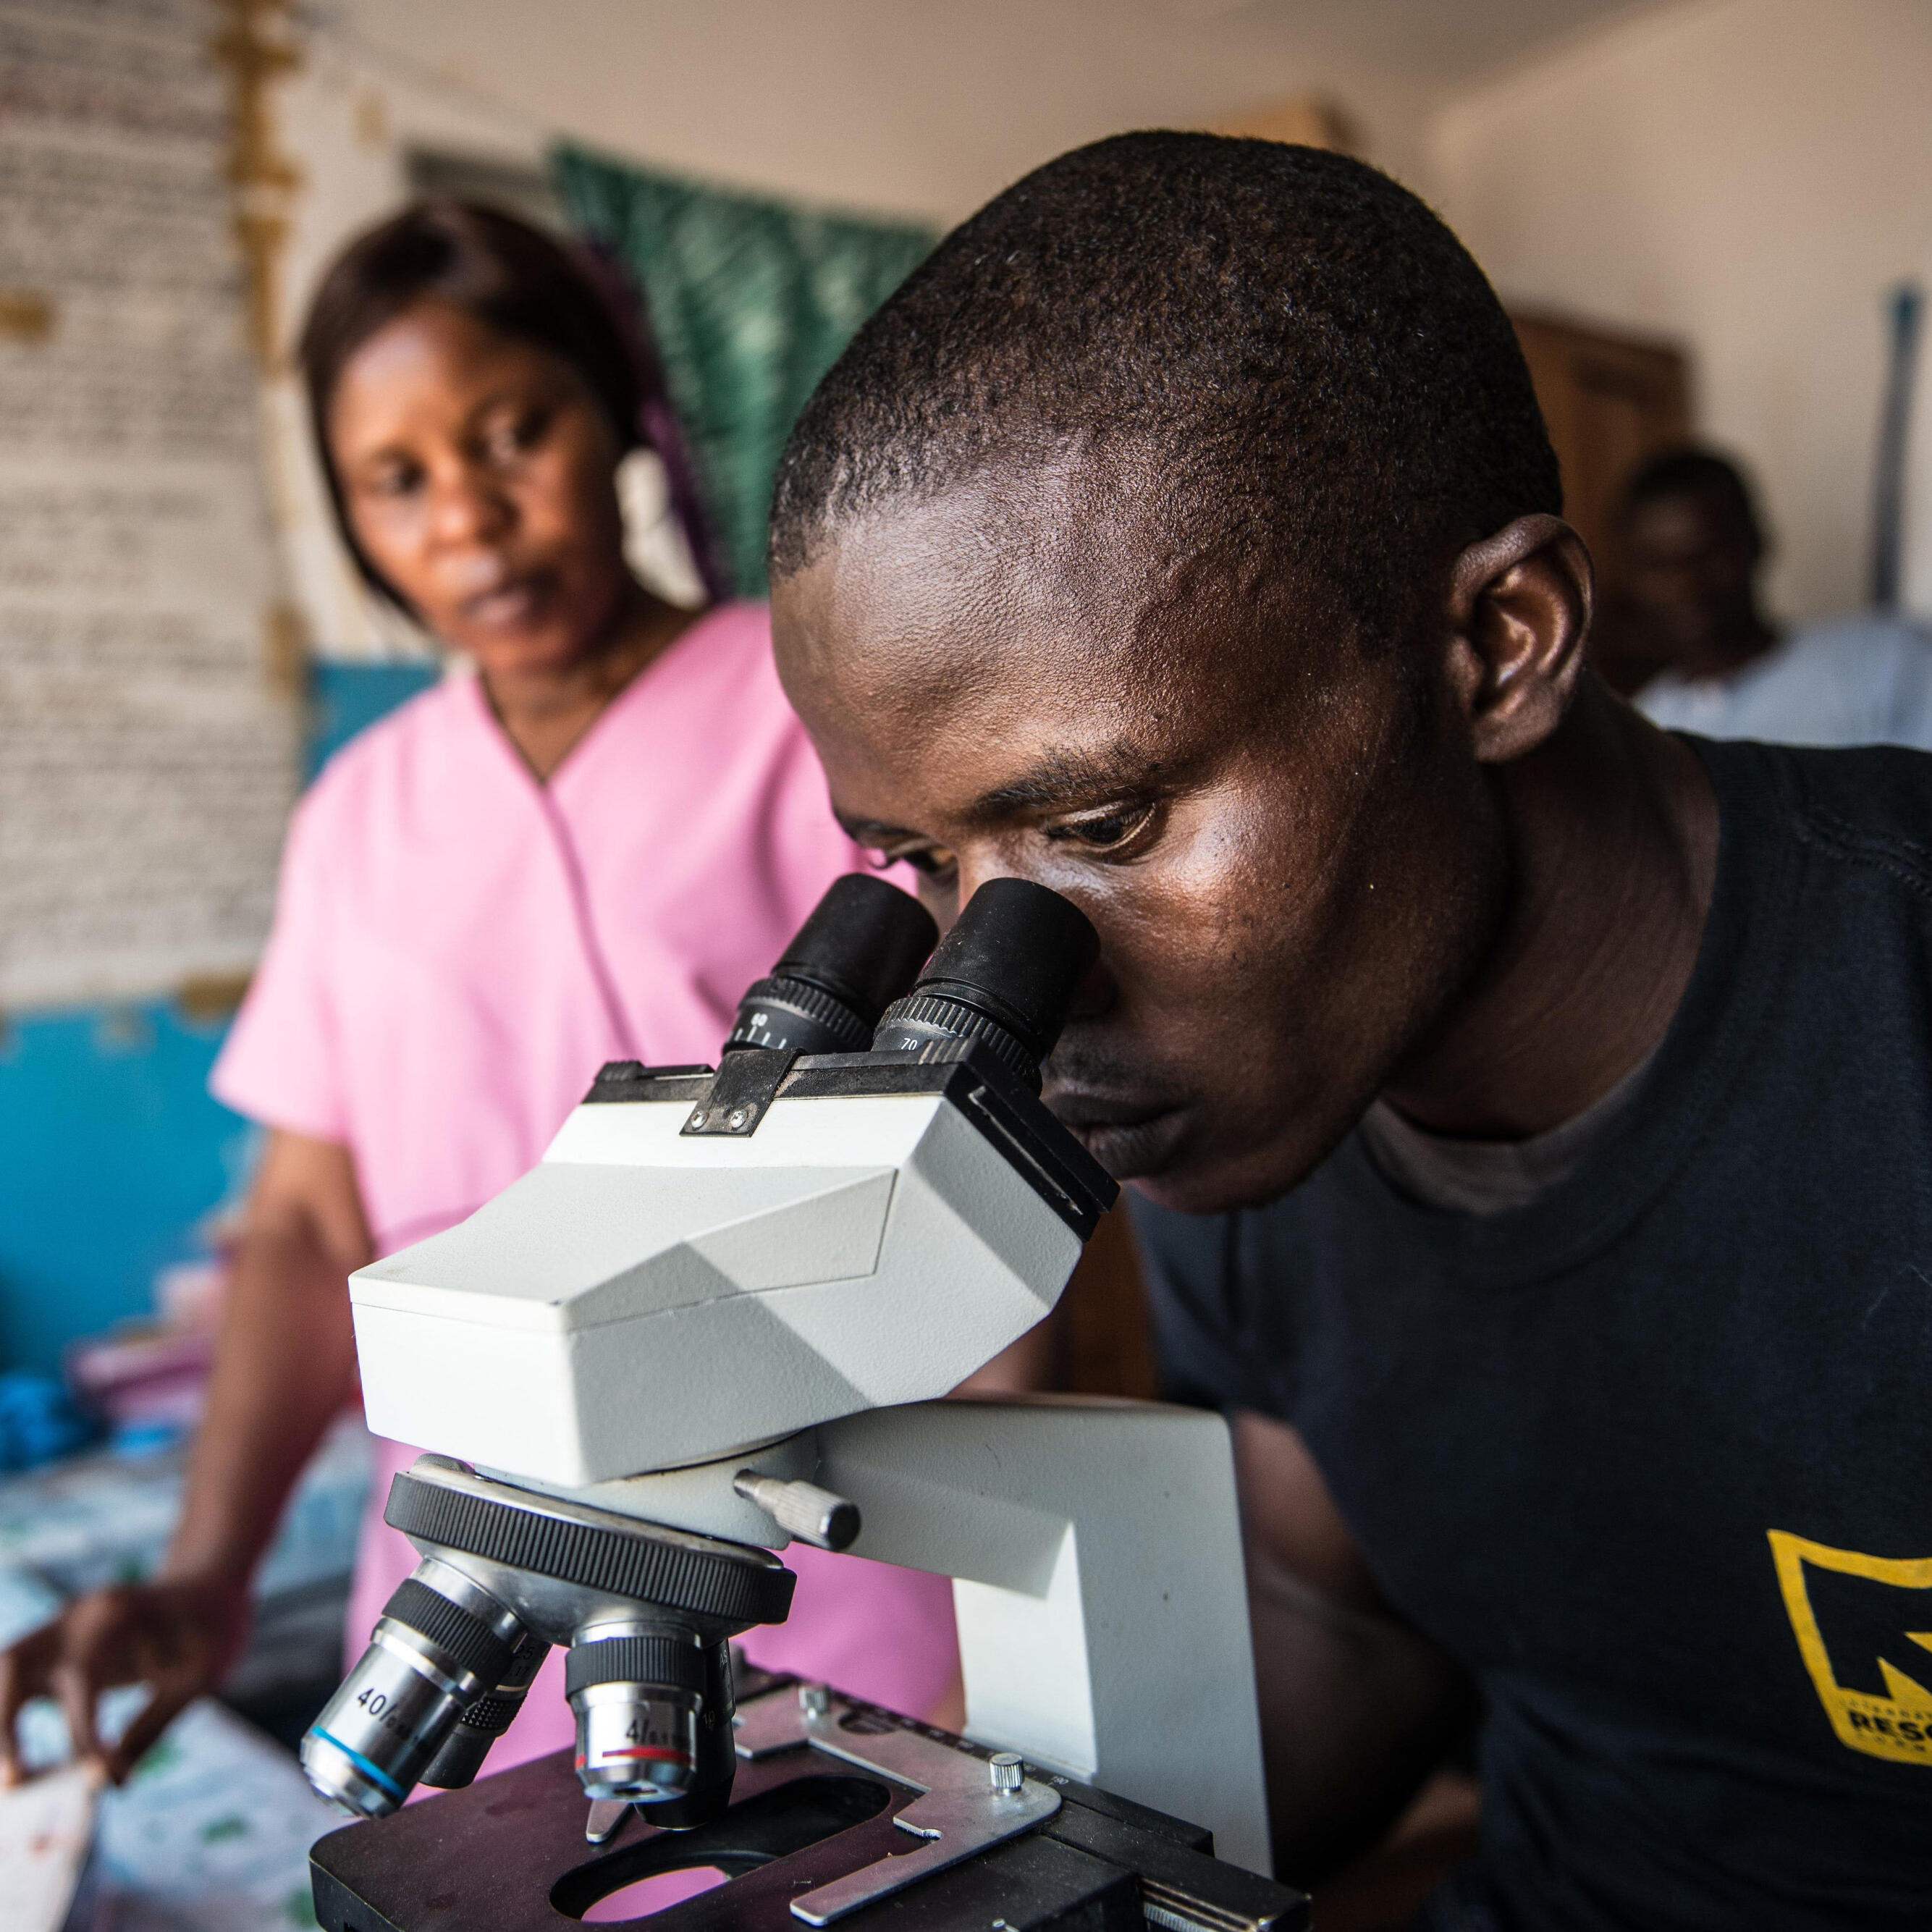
(1290, 853)
(1690, 565)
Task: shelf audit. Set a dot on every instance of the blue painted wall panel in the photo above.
(344, 697)
(111, 1150)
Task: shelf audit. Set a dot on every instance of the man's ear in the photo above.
(1518, 611)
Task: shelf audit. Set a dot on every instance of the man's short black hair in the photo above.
(1330, 387)
(1694, 471)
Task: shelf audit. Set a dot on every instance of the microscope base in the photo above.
(813, 1809)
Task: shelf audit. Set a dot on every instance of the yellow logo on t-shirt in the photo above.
(1878, 1611)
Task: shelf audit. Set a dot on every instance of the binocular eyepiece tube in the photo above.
(1004, 975)
(853, 978)
(856, 953)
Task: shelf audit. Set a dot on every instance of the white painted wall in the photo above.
(1750, 175)
(927, 107)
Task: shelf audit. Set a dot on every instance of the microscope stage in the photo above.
(509, 1854)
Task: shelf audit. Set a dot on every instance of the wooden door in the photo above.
(1609, 400)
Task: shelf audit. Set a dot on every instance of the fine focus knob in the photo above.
(1004, 975)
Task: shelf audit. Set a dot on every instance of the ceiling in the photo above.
(1442, 41)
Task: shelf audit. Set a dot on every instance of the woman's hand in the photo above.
(178, 1637)
(284, 1366)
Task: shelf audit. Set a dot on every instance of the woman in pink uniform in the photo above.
(584, 851)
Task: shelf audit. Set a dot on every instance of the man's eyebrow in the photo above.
(1060, 777)
(869, 831)
(1064, 778)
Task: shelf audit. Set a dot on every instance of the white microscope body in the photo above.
(721, 1312)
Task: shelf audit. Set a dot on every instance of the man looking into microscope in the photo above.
(1530, 1111)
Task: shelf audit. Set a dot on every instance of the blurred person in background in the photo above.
(584, 852)
(1691, 638)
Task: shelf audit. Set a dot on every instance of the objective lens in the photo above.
(441, 1641)
(1004, 975)
(468, 1740)
(858, 951)
(710, 1796)
(639, 1696)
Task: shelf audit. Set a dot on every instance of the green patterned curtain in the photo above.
(750, 302)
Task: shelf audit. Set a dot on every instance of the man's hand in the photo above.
(177, 1637)
(1356, 1707)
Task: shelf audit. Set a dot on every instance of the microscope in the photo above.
(718, 1315)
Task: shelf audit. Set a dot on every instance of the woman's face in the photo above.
(478, 476)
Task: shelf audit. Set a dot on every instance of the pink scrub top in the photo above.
(457, 948)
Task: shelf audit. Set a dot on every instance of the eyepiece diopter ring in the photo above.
(781, 1011)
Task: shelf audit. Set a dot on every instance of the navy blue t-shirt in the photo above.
(1652, 1456)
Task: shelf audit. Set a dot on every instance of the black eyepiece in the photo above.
(857, 952)
(1004, 975)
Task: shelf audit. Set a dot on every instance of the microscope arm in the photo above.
(1098, 1587)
